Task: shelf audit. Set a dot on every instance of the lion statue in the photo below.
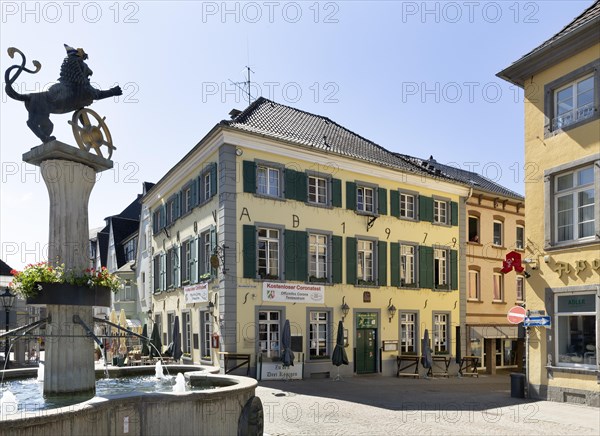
(72, 92)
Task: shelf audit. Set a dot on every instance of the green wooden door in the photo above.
(366, 352)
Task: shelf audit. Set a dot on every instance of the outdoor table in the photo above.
(406, 361)
(245, 358)
(469, 364)
(445, 363)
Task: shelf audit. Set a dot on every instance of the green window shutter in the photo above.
(351, 261)
(382, 263)
(213, 243)
(336, 192)
(213, 179)
(301, 256)
(425, 267)
(290, 183)
(382, 201)
(454, 211)
(301, 186)
(249, 252)
(249, 176)
(453, 269)
(395, 263)
(425, 208)
(394, 203)
(289, 254)
(336, 259)
(351, 195)
(194, 187)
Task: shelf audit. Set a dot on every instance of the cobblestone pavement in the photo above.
(375, 405)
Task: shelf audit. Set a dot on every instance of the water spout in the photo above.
(40, 374)
(159, 370)
(8, 404)
(179, 383)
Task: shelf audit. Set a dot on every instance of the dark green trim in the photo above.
(336, 259)
(382, 201)
(394, 203)
(249, 251)
(351, 195)
(382, 263)
(426, 267)
(249, 176)
(395, 263)
(336, 192)
(351, 259)
(454, 213)
(453, 269)
(425, 208)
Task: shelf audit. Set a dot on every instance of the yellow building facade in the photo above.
(562, 149)
(282, 215)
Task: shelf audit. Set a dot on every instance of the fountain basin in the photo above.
(228, 407)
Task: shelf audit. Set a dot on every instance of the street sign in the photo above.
(516, 315)
(537, 321)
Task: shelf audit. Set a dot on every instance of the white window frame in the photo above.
(408, 263)
(441, 211)
(186, 332)
(162, 271)
(206, 182)
(477, 281)
(206, 253)
(365, 264)
(365, 199)
(558, 315)
(520, 246)
(207, 328)
(272, 174)
(319, 334)
(574, 193)
(577, 113)
(520, 288)
(500, 241)
(441, 262)
(319, 194)
(498, 284)
(407, 212)
(272, 253)
(269, 341)
(187, 198)
(408, 333)
(318, 257)
(441, 332)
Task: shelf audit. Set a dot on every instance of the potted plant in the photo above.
(43, 283)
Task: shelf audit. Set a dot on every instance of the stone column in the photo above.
(70, 175)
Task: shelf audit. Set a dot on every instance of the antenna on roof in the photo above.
(246, 85)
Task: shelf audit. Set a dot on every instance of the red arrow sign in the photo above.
(516, 315)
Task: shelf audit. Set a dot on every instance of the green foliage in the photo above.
(26, 283)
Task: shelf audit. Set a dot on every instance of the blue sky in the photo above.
(415, 77)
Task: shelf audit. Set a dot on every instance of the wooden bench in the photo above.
(468, 366)
(437, 369)
(245, 358)
(405, 362)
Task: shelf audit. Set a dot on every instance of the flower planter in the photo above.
(72, 295)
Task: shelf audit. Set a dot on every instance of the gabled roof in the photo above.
(579, 34)
(477, 181)
(4, 269)
(277, 121)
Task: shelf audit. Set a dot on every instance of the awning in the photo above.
(133, 323)
(495, 332)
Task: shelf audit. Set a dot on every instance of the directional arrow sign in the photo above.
(537, 321)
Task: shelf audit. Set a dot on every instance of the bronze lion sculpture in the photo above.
(72, 92)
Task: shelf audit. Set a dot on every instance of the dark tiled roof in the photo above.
(586, 16)
(477, 181)
(4, 269)
(277, 121)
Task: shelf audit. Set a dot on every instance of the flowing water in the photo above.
(179, 383)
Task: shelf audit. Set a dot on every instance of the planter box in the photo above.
(72, 295)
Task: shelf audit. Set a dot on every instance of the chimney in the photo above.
(234, 113)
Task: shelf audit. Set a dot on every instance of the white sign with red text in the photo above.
(293, 292)
(196, 293)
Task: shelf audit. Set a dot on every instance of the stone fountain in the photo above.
(70, 174)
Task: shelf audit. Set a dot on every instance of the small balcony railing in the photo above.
(568, 118)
